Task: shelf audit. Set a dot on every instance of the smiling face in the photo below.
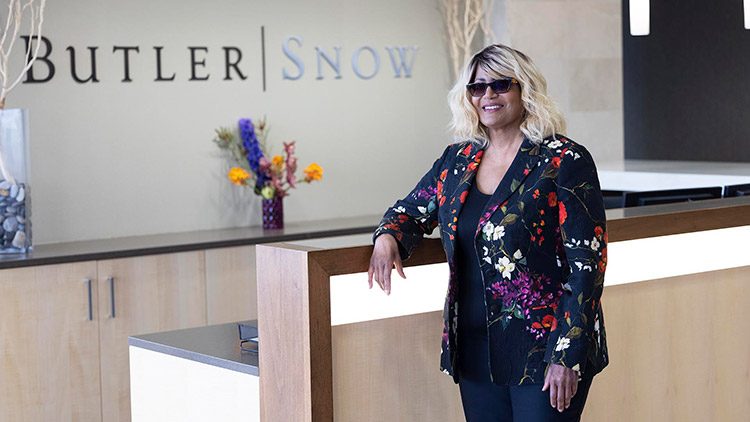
(498, 111)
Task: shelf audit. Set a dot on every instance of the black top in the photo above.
(473, 354)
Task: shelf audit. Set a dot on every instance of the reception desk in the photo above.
(676, 292)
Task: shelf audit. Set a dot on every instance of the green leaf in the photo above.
(521, 204)
(580, 298)
(517, 313)
(509, 219)
(574, 332)
(520, 190)
(514, 184)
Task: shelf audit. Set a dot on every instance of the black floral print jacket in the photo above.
(542, 247)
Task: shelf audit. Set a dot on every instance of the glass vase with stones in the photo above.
(15, 201)
(273, 213)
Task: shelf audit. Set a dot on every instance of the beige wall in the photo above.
(578, 46)
(115, 159)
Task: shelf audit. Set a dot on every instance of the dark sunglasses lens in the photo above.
(501, 85)
(477, 89)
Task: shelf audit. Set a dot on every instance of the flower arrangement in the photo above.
(269, 178)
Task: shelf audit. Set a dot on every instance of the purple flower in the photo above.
(252, 150)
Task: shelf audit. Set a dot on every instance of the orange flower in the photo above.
(313, 172)
(463, 196)
(550, 322)
(444, 174)
(556, 162)
(238, 175)
(598, 231)
(277, 161)
(563, 213)
(535, 195)
(552, 199)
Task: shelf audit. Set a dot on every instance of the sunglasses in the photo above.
(499, 86)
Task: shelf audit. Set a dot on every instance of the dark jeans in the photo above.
(488, 402)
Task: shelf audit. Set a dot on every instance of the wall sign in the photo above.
(365, 61)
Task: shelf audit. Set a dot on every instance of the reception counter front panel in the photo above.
(343, 352)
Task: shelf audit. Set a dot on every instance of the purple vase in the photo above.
(273, 213)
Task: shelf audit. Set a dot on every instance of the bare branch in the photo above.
(16, 12)
(462, 20)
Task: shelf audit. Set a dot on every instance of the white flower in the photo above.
(595, 244)
(487, 230)
(596, 325)
(562, 344)
(487, 259)
(400, 209)
(485, 251)
(575, 155)
(554, 144)
(498, 233)
(422, 210)
(518, 255)
(505, 266)
(586, 242)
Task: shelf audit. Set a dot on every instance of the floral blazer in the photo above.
(542, 249)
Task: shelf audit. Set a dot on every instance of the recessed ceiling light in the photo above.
(640, 11)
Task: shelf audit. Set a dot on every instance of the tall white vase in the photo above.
(15, 201)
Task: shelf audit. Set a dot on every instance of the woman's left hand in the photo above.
(562, 383)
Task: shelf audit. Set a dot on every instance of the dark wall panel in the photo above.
(687, 84)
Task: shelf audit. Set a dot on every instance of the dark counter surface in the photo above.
(58, 253)
(217, 345)
(124, 247)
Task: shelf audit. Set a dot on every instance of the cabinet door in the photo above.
(150, 294)
(49, 344)
(230, 284)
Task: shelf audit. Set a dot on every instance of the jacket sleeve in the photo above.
(415, 216)
(583, 232)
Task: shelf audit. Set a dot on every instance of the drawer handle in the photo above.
(91, 305)
(111, 281)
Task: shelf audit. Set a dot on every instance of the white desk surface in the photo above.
(640, 175)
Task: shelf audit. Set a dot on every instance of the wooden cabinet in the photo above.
(57, 364)
(49, 343)
(143, 295)
(230, 284)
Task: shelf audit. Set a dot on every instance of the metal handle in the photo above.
(91, 305)
(111, 281)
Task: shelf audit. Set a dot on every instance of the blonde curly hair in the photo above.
(541, 116)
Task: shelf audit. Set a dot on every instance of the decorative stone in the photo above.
(14, 191)
(21, 195)
(10, 224)
(19, 240)
(5, 185)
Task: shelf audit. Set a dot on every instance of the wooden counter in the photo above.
(676, 344)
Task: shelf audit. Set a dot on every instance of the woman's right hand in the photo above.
(384, 257)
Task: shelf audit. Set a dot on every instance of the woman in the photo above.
(522, 223)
